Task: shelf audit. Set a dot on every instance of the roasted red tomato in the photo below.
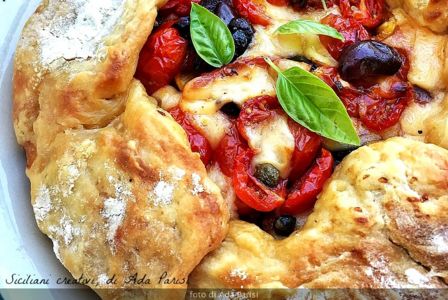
(228, 148)
(256, 110)
(367, 12)
(380, 114)
(382, 107)
(252, 192)
(302, 5)
(379, 106)
(307, 144)
(253, 11)
(279, 2)
(198, 142)
(161, 59)
(351, 29)
(179, 7)
(304, 192)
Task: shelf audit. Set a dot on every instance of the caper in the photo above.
(267, 174)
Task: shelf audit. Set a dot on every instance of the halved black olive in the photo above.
(183, 25)
(284, 225)
(231, 109)
(267, 174)
(211, 5)
(241, 24)
(225, 13)
(368, 58)
(241, 42)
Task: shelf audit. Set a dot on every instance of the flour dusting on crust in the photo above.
(42, 204)
(162, 194)
(79, 33)
(114, 211)
(197, 186)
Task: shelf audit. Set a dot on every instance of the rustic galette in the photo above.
(239, 144)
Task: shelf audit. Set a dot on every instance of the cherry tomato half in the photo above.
(307, 145)
(367, 12)
(227, 150)
(351, 29)
(252, 192)
(304, 191)
(179, 7)
(198, 142)
(253, 11)
(161, 58)
(256, 110)
(279, 2)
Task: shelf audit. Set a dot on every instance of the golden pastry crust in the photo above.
(429, 13)
(84, 51)
(114, 202)
(114, 182)
(379, 218)
(423, 121)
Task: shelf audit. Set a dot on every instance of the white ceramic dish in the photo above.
(24, 251)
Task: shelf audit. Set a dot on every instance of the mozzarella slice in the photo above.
(267, 43)
(213, 127)
(207, 94)
(273, 142)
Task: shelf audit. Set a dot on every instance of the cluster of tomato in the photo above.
(378, 104)
(167, 52)
(311, 165)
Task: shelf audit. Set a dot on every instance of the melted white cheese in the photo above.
(213, 127)
(273, 142)
(266, 42)
(167, 97)
(251, 81)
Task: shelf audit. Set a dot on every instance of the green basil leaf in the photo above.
(211, 38)
(313, 104)
(309, 27)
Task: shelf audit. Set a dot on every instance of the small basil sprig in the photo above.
(309, 27)
(313, 104)
(211, 38)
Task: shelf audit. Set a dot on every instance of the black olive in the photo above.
(267, 174)
(183, 25)
(421, 96)
(338, 156)
(368, 58)
(241, 24)
(241, 42)
(298, 3)
(225, 12)
(211, 5)
(284, 225)
(231, 109)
